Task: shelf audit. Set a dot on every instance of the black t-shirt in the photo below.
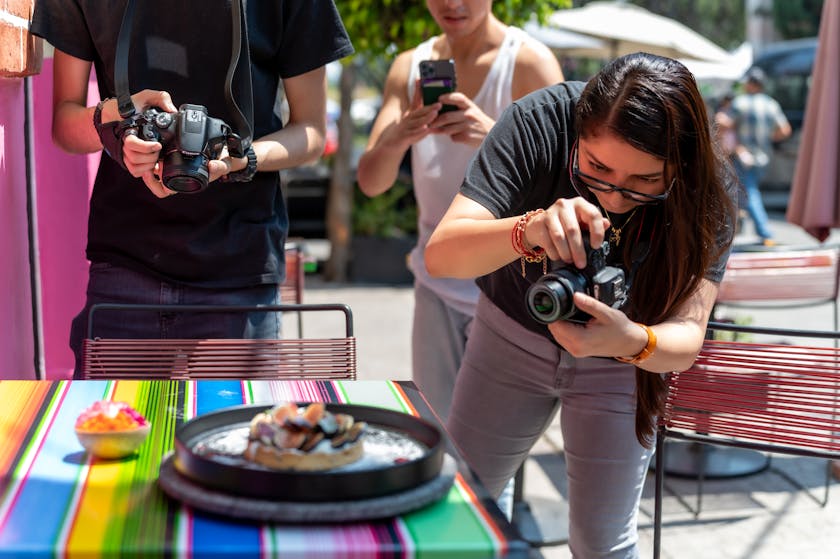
(523, 164)
(230, 234)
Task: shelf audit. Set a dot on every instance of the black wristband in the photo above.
(97, 113)
(246, 174)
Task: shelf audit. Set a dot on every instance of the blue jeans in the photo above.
(750, 177)
(113, 284)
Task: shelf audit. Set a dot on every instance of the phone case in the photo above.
(436, 78)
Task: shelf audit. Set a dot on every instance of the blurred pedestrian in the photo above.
(758, 121)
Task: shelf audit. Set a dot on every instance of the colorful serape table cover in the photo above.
(57, 501)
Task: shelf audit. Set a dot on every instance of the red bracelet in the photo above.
(531, 255)
(536, 254)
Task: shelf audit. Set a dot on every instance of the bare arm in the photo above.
(611, 334)
(536, 67)
(398, 125)
(782, 131)
(469, 241)
(72, 124)
(302, 139)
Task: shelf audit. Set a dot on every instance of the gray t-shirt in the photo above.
(522, 165)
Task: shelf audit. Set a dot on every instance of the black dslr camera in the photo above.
(190, 138)
(550, 298)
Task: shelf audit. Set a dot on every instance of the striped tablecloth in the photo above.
(56, 501)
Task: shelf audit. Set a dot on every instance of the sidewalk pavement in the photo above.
(760, 516)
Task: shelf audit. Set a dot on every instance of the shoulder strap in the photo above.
(239, 34)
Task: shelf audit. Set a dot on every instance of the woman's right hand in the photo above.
(560, 228)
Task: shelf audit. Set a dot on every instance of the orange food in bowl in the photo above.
(106, 415)
(111, 429)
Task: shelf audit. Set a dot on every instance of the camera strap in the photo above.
(244, 115)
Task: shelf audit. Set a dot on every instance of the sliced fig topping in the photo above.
(356, 431)
(312, 440)
(280, 413)
(314, 412)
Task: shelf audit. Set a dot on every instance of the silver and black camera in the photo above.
(550, 298)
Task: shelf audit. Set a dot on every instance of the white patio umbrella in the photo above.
(566, 43)
(815, 193)
(626, 28)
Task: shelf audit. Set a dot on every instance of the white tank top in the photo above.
(438, 165)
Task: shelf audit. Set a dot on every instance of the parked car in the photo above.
(787, 65)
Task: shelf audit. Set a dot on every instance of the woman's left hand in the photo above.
(609, 333)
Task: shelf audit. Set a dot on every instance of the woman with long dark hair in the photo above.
(626, 163)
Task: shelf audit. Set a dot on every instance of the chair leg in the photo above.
(659, 488)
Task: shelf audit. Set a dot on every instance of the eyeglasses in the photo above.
(593, 183)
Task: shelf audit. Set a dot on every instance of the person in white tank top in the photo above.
(495, 64)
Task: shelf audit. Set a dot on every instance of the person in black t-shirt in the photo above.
(224, 244)
(627, 160)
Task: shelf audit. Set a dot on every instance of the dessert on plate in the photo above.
(305, 438)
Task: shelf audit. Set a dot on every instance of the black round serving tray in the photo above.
(288, 485)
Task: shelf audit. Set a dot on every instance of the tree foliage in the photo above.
(379, 27)
(797, 18)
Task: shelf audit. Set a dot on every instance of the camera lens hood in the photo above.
(550, 299)
(184, 173)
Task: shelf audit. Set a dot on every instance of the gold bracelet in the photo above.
(647, 352)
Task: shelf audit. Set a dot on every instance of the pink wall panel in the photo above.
(16, 338)
(64, 183)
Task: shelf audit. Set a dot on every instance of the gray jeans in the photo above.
(438, 337)
(511, 383)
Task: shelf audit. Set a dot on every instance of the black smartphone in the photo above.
(436, 78)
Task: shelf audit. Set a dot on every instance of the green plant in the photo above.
(392, 214)
(725, 336)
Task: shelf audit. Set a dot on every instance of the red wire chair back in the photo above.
(321, 358)
(777, 395)
(780, 397)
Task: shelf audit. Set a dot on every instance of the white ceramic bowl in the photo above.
(113, 444)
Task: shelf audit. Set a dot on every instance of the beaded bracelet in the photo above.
(528, 255)
(646, 352)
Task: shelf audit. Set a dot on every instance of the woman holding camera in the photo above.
(628, 159)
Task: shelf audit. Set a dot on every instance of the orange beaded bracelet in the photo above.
(646, 352)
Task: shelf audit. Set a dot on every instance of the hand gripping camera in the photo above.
(190, 139)
(550, 298)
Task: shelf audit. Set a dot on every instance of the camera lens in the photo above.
(183, 173)
(550, 299)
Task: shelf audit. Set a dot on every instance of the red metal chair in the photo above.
(776, 397)
(291, 290)
(322, 358)
(782, 277)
